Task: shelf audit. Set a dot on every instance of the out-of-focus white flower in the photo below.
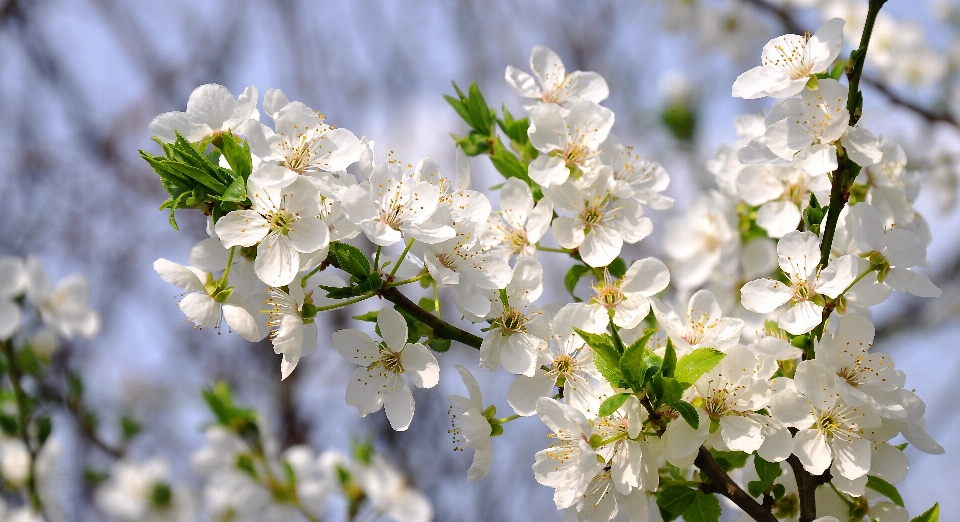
(143, 492)
(555, 85)
(211, 108)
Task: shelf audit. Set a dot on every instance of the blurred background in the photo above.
(81, 80)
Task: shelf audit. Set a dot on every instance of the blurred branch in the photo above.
(83, 419)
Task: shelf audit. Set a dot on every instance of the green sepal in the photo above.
(370, 317)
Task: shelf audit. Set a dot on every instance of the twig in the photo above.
(724, 485)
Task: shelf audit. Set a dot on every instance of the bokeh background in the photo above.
(81, 80)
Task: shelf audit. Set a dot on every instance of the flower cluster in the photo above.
(752, 343)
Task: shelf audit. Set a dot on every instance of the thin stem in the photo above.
(505, 420)
(376, 259)
(318, 268)
(407, 281)
(847, 171)
(400, 259)
(440, 327)
(551, 249)
(436, 300)
(226, 271)
(341, 304)
(23, 420)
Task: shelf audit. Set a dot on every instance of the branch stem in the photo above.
(440, 327)
(724, 485)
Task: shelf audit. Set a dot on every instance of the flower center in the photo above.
(850, 375)
(281, 221)
(391, 361)
(803, 291)
(563, 365)
(512, 321)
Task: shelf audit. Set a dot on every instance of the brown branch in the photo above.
(807, 486)
(724, 485)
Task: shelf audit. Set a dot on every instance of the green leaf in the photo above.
(238, 157)
(674, 500)
(885, 488)
(349, 258)
(44, 427)
(768, 473)
(370, 317)
(428, 304)
(703, 508)
(667, 390)
(197, 175)
(129, 427)
(617, 268)
(730, 460)
(573, 277)
(237, 191)
(669, 366)
(688, 412)
(633, 362)
(507, 163)
(696, 363)
(481, 114)
(930, 515)
(613, 403)
(605, 356)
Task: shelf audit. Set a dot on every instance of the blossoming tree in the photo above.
(661, 396)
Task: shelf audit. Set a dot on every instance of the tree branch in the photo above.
(724, 485)
(440, 327)
(807, 486)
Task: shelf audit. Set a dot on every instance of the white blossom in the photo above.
(377, 383)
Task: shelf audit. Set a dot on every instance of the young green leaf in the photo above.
(768, 473)
(633, 362)
(617, 268)
(688, 412)
(703, 508)
(612, 404)
(349, 258)
(573, 277)
(930, 515)
(605, 356)
(730, 460)
(696, 363)
(674, 500)
(669, 366)
(885, 488)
